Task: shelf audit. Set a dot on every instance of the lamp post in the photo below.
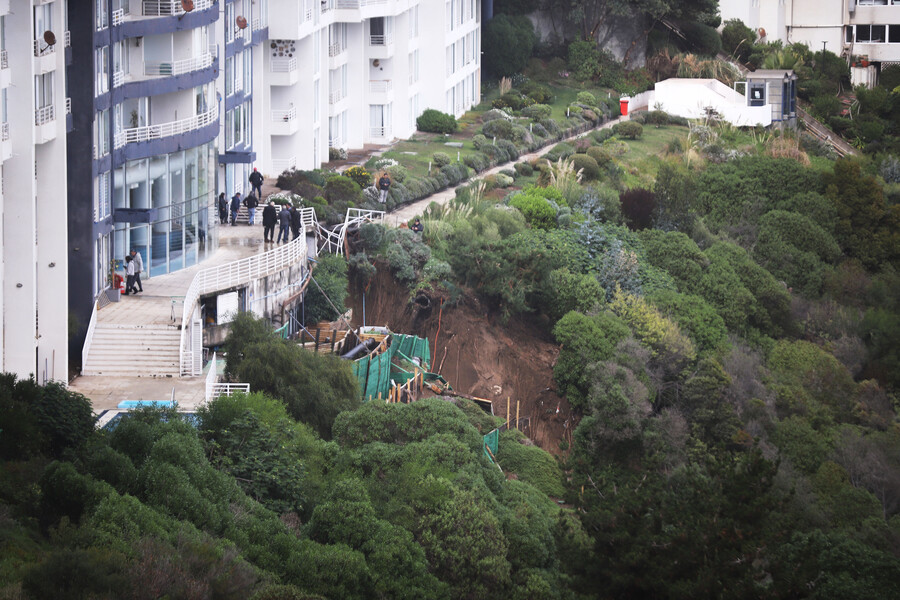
(822, 68)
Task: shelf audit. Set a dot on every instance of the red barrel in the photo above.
(623, 106)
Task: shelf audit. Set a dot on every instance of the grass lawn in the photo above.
(641, 161)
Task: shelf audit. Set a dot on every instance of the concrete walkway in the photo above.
(408, 212)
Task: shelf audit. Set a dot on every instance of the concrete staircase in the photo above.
(135, 351)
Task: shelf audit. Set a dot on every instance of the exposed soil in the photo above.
(478, 354)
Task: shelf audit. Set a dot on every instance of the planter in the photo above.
(113, 294)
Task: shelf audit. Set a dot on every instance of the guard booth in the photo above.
(775, 88)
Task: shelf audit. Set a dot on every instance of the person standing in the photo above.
(284, 222)
(384, 184)
(256, 181)
(251, 203)
(270, 217)
(129, 276)
(223, 209)
(235, 207)
(296, 222)
(138, 268)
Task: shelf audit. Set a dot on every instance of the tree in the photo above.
(675, 191)
(326, 300)
(507, 42)
(737, 39)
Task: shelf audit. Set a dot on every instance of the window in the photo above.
(229, 23)
(43, 90)
(316, 101)
(894, 34)
(43, 21)
(101, 126)
(248, 71)
(871, 33)
(101, 58)
(380, 120)
(102, 16)
(229, 129)
(101, 197)
(247, 122)
(414, 66)
(413, 110)
(414, 22)
(229, 76)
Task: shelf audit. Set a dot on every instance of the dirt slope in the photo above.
(478, 354)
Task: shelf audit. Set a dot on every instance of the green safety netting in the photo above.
(375, 373)
(492, 441)
(412, 347)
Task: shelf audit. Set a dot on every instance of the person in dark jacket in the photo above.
(256, 181)
(270, 217)
(384, 184)
(284, 223)
(223, 209)
(235, 207)
(417, 226)
(251, 203)
(296, 222)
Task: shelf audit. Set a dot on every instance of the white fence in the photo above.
(284, 115)
(283, 64)
(89, 336)
(380, 86)
(214, 389)
(334, 240)
(165, 8)
(180, 67)
(155, 132)
(44, 115)
(228, 276)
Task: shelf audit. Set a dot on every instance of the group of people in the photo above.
(288, 219)
(251, 201)
(134, 266)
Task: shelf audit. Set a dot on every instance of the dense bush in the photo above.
(342, 190)
(536, 111)
(541, 94)
(703, 38)
(360, 175)
(537, 210)
(435, 121)
(628, 129)
(524, 169)
(590, 171)
(507, 42)
(477, 161)
(441, 159)
(584, 59)
(737, 39)
(587, 98)
(638, 207)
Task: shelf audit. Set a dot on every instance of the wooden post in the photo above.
(317, 339)
(517, 415)
(333, 335)
(507, 412)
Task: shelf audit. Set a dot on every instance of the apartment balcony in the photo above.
(285, 122)
(118, 79)
(381, 91)
(67, 36)
(169, 8)
(381, 46)
(284, 70)
(45, 124)
(336, 96)
(163, 130)
(44, 56)
(337, 56)
(4, 7)
(181, 67)
(280, 165)
(346, 4)
(118, 17)
(5, 142)
(380, 133)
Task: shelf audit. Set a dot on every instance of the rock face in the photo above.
(617, 34)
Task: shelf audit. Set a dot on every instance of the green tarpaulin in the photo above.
(492, 441)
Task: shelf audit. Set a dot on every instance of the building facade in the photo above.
(33, 236)
(849, 28)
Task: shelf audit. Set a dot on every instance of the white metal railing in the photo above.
(4, 131)
(280, 165)
(379, 132)
(335, 142)
(118, 78)
(238, 83)
(179, 67)
(377, 86)
(44, 115)
(334, 239)
(4, 59)
(335, 96)
(308, 14)
(284, 64)
(385, 39)
(326, 6)
(166, 8)
(118, 17)
(284, 115)
(214, 389)
(346, 4)
(161, 130)
(45, 50)
(67, 37)
(92, 324)
(335, 49)
(68, 106)
(256, 24)
(231, 275)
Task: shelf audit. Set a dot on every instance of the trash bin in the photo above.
(623, 105)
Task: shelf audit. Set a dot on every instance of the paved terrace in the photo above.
(155, 305)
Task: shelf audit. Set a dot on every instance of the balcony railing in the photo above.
(4, 60)
(384, 39)
(346, 4)
(335, 96)
(42, 48)
(43, 115)
(67, 38)
(118, 78)
(4, 131)
(167, 8)
(180, 67)
(308, 14)
(335, 142)
(256, 25)
(162, 130)
(118, 17)
(380, 86)
(280, 165)
(379, 132)
(68, 106)
(335, 50)
(283, 64)
(284, 115)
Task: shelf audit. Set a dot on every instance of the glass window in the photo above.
(894, 34)
(101, 55)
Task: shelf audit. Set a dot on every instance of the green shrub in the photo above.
(507, 42)
(629, 130)
(530, 463)
(541, 94)
(537, 111)
(441, 159)
(586, 98)
(512, 152)
(524, 169)
(584, 59)
(703, 38)
(737, 39)
(561, 150)
(342, 189)
(435, 121)
(398, 173)
(537, 210)
(494, 113)
(360, 175)
(500, 128)
(590, 170)
(599, 154)
(477, 161)
(511, 100)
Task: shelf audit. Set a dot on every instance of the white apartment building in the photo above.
(344, 73)
(33, 236)
(848, 28)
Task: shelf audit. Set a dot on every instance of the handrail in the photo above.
(335, 96)
(283, 64)
(67, 37)
(161, 130)
(380, 85)
(45, 114)
(167, 8)
(285, 115)
(232, 275)
(118, 78)
(118, 17)
(335, 49)
(92, 324)
(179, 67)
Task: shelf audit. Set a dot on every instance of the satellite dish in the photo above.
(241, 22)
(762, 33)
(49, 39)
(187, 5)
(376, 62)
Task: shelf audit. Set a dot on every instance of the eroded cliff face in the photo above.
(622, 36)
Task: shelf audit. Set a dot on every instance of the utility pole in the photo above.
(822, 68)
